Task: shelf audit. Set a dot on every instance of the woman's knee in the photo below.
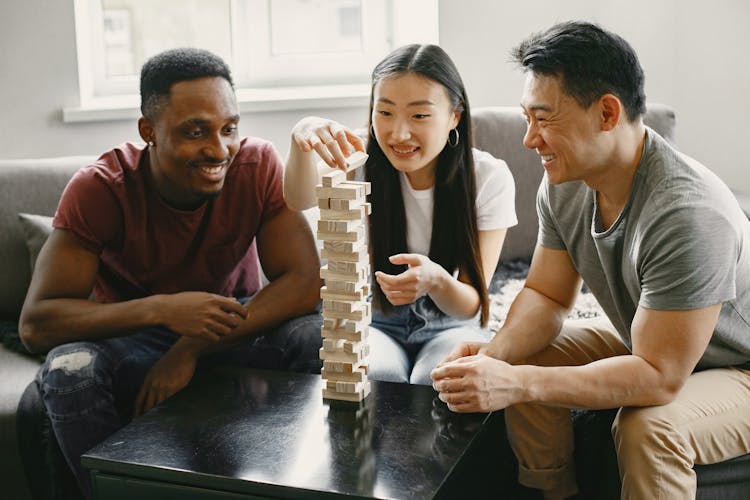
(388, 360)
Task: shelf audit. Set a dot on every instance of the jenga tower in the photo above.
(346, 312)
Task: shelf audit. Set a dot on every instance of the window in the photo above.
(283, 53)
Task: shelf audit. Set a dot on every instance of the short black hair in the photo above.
(163, 70)
(590, 62)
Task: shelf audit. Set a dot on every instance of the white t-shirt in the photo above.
(496, 202)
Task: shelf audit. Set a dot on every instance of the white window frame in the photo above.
(113, 99)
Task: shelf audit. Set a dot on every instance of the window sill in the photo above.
(127, 107)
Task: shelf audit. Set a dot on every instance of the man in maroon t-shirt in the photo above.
(168, 237)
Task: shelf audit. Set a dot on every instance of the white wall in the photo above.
(694, 54)
(39, 77)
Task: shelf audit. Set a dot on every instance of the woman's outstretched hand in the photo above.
(332, 141)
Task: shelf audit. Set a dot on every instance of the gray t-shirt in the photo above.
(681, 242)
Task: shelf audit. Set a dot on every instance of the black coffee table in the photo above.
(241, 433)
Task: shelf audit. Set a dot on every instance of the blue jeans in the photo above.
(89, 388)
(407, 345)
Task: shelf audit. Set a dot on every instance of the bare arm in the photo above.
(538, 312)
(667, 345)
(57, 309)
(331, 141)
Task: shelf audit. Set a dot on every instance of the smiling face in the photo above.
(412, 116)
(196, 139)
(563, 133)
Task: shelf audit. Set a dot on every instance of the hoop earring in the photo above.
(453, 144)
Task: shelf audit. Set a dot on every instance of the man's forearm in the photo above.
(52, 322)
(608, 383)
(533, 321)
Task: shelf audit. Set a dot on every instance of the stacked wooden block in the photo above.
(346, 312)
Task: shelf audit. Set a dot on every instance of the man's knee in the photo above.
(70, 378)
(637, 430)
(301, 341)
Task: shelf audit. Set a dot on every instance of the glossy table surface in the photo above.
(270, 433)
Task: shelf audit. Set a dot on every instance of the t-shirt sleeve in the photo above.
(690, 260)
(548, 235)
(496, 193)
(89, 210)
(274, 175)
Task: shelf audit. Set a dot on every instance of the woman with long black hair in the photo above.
(440, 209)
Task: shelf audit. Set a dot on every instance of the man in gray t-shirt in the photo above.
(664, 247)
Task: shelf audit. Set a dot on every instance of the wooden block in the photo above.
(339, 306)
(335, 309)
(340, 366)
(334, 178)
(358, 234)
(355, 358)
(336, 286)
(342, 396)
(344, 324)
(343, 386)
(368, 208)
(357, 375)
(334, 344)
(339, 204)
(357, 296)
(362, 314)
(356, 160)
(355, 280)
(357, 213)
(341, 333)
(351, 347)
(365, 186)
(344, 191)
(344, 246)
(338, 226)
(342, 306)
(362, 256)
(342, 266)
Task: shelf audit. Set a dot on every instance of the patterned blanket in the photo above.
(508, 281)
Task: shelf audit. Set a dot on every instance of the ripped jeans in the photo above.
(89, 388)
(406, 345)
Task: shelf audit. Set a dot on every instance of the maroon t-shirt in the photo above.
(147, 247)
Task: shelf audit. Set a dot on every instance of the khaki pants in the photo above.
(657, 446)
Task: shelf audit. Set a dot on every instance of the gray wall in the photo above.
(686, 47)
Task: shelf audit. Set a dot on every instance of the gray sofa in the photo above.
(34, 187)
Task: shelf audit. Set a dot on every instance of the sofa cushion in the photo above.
(36, 229)
(31, 186)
